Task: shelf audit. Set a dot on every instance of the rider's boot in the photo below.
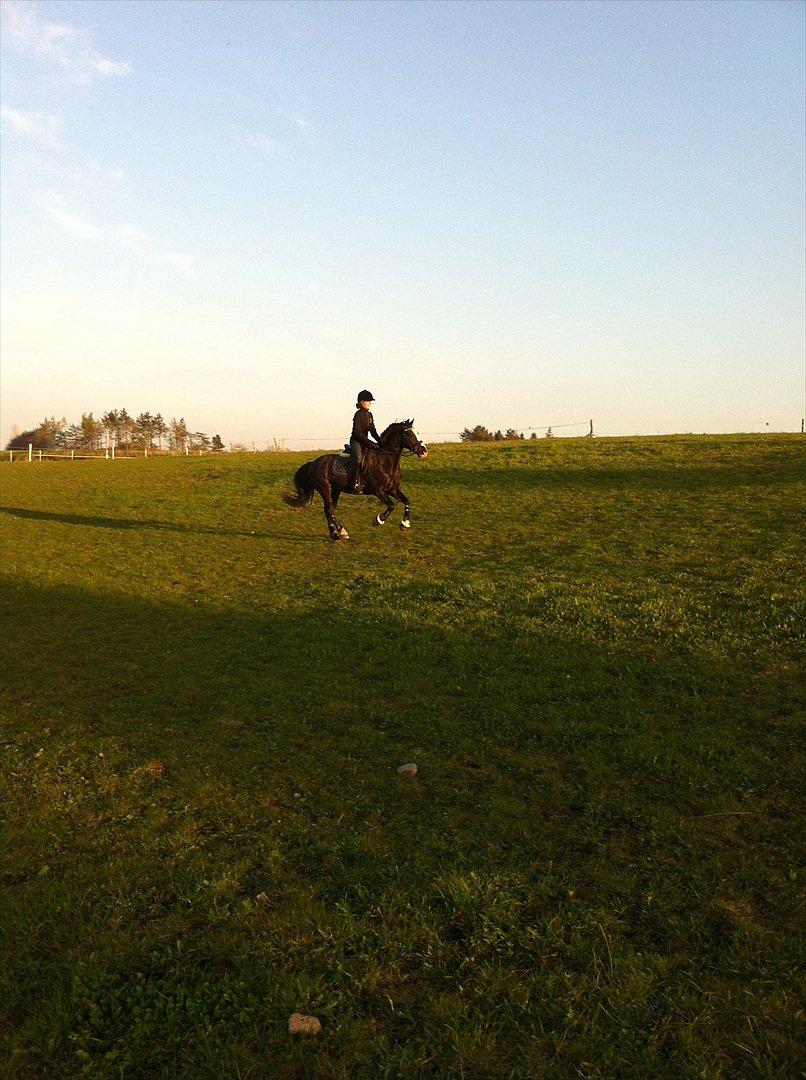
(358, 488)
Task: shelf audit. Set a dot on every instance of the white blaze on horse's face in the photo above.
(422, 449)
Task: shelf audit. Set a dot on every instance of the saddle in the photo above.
(348, 463)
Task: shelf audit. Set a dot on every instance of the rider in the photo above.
(363, 426)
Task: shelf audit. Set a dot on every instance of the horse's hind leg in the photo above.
(342, 531)
(330, 517)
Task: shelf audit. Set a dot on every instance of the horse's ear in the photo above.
(410, 423)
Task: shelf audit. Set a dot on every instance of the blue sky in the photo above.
(507, 213)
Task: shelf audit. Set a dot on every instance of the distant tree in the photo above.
(200, 441)
(52, 434)
(144, 425)
(128, 429)
(533, 435)
(23, 440)
(477, 434)
(512, 434)
(91, 432)
(160, 429)
(110, 422)
(217, 443)
(178, 433)
(498, 436)
(74, 437)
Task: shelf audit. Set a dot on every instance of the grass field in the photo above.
(588, 647)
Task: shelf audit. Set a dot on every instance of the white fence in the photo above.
(108, 454)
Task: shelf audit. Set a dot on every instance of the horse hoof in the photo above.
(344, 535)
(405, 526)
(377, 521)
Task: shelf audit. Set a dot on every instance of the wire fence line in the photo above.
(456, 434)
(278, 444)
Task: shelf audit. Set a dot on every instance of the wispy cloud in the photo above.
(264, 143)
(90, 174)
(111, 67)
(302, 122)
(130, 237)
(69, 47)
(70, 223)
(40, 126)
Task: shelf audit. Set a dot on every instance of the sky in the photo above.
(515, 214)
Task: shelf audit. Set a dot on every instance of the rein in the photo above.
(401, 450)
(383, 450)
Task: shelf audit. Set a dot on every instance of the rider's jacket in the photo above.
(364, 425)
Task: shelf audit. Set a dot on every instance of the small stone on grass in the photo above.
(300, 1024)
(407, 770)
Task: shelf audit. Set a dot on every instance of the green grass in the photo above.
(589, 649)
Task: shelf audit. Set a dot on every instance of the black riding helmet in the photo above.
(365, 395)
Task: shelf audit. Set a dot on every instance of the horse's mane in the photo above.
(398, 426)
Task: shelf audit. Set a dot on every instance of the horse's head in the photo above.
(401, 436)
(411, 440)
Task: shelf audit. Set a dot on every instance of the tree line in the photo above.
(115, 428)
(480, 433)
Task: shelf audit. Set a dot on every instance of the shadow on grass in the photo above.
(553, 780)
(553, 741)
(293, 685)
(139, 525)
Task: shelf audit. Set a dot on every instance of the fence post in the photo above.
(11, 455)
(145, 451)
(72, 455)
(106, 453)
(30, 451)
(113, 451)
(40, 455)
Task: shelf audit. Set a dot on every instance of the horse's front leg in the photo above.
(381, 518)
(405, 524)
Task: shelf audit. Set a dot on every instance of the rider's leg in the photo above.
(358, 454)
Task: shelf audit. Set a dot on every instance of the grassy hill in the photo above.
(589, 649)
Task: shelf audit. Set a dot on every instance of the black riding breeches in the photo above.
(358, 453)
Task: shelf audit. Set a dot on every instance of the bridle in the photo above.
(420, 444)
(403, 448)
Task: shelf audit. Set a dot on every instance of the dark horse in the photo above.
(334, 474)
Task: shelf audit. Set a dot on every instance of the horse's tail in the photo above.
(303, 488)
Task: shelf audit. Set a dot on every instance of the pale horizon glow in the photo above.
(506, 213)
